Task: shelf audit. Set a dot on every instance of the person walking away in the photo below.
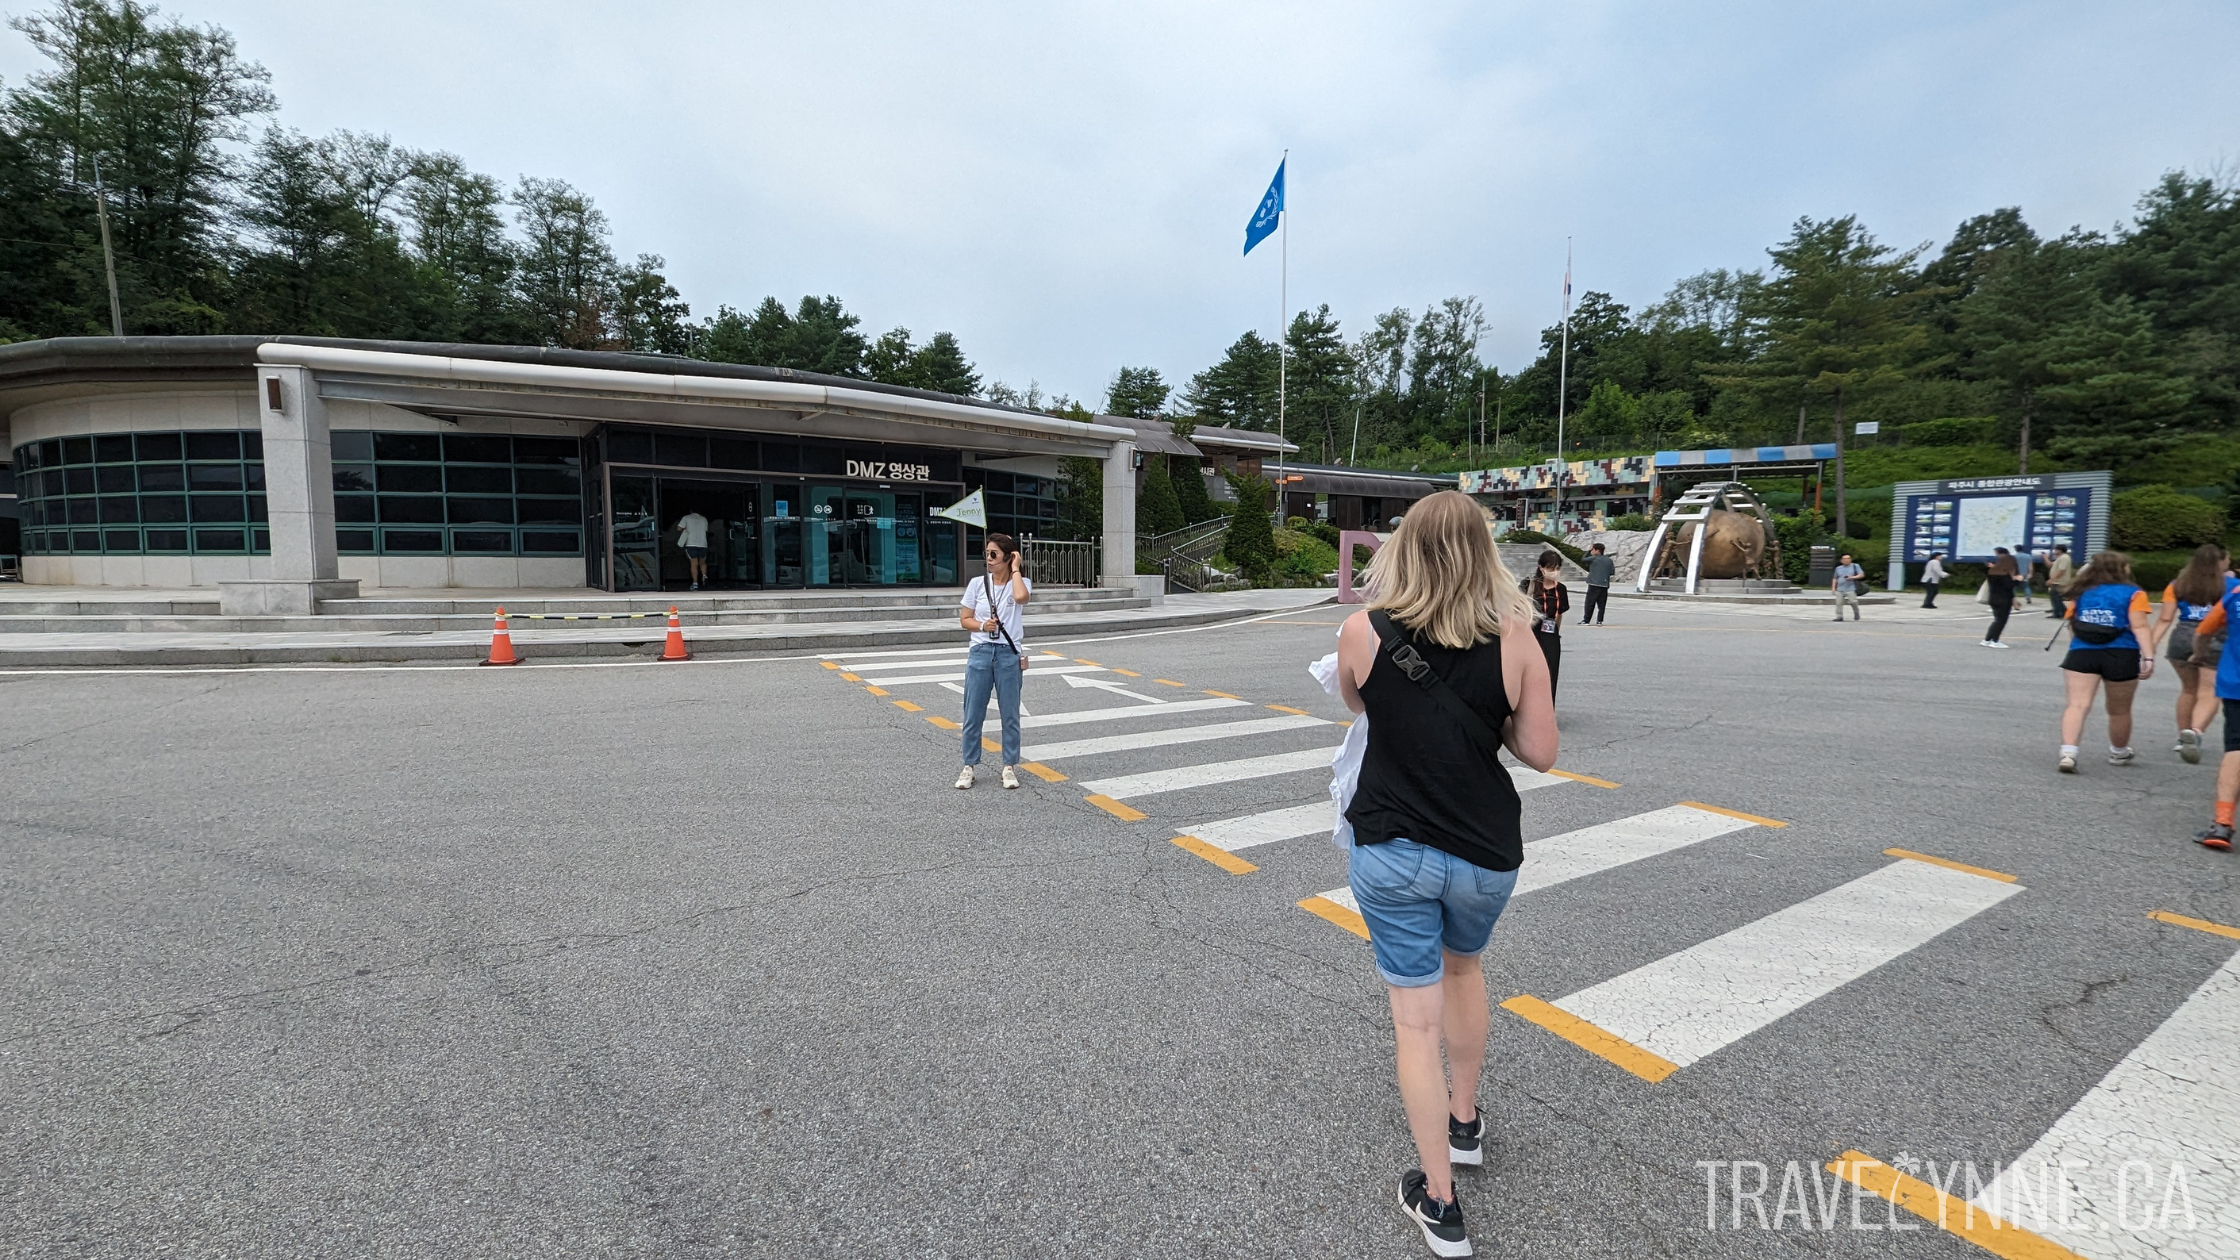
(2001, 582)
(2059, 572)
(1551, 599)
(2218, 834)
(692, 535)
(2112, 642)
(1600, 569)
(1845, 586)
(997, 659)
(2025, 567)
(1932, 578)
(2185, 601)
(1443, 664)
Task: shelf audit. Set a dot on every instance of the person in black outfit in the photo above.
(1551, 599)
(1446, 674)
(1600, 570)
(2001, 578)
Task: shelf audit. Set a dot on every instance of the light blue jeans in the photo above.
(991, 667)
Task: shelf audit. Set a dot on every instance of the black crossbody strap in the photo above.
(997, 613)
(1410, 662)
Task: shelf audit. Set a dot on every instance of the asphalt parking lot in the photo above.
(710, 959)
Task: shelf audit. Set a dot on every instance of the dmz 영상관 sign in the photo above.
(1966, 518)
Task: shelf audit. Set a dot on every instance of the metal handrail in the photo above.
(1062, 562)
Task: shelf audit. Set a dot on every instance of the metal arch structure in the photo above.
(1695, 507)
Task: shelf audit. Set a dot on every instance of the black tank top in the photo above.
(1423, 778)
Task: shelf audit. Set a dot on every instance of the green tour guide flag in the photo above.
(1270, 213)
(971, 509)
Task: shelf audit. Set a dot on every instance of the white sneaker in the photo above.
(2189, 747)
(1010, 777)
(2124, 758)
(964, 778)
(1993, 644)
(2067, 764)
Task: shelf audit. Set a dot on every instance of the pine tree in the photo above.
(1190, 490)
(1250, 543)
(1157, 510)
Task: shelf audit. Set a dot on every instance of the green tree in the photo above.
(458, 237)
(2112, 390)
(649, 312)
(567, 270)
(1157, 509)
(1834, 320)
(1240, 390)
(1137, 392)
(1321, 383)
(1080, 497)
(1190, 487)
(2012, 324)
(938, 365)
(1250, 542)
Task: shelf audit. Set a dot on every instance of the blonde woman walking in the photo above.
(1444, 663)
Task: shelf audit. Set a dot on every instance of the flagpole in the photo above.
(1563, 384)
(1283, 349)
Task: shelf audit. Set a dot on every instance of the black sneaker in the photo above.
(2218, 836)
(1441, 1222)
(1466, 1142)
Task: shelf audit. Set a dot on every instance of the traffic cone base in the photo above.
(672, 648)
(501, 643)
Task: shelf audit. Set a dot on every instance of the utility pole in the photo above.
(108, 255)
(1563, 385)
(1481, 408)
(1354, 459)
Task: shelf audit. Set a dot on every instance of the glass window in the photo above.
(818, 458)
(545, 450)
(459, 448)
(113, 450)
(85, 540)
(158, 446)
(628, 446)
(214, 476)
(424, 448)
(162, 477)
(167, 540)
(412, 541)
(353, 507)
(356, 542)
(548, 481)
(481, 511)
(350, 447)
(50, 452)
(551, 511)
(163, 507)
(78, 480)
(252, 445)
(781, 456)
(478, 541)
(353, 477)
(120, 540)
(478, 480)
(84, 511)
(409, 509)
(410, 478)
(214, 446)
(120, 509)
(535, 541)
(732, 453)
(114, 480)
(77, 450)
(209, 540)
(218, 507)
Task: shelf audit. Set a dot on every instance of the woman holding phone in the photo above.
(997, 659)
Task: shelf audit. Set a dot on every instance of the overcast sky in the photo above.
(1066, 187)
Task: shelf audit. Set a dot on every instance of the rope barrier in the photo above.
(584, 616)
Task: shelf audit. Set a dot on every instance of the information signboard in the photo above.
(1967, 518)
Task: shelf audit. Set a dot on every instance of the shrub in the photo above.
(1633, 522)
(1250, 540)
(2158, 518)
(1190, 491)
(1571, 553)
(1798, 534)
(1951, 431)
(1157, 510)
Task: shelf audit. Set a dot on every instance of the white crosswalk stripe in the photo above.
(1153, 782)
(2173, 1102)
(1074, 717)
(1038, 671)
(1232, 834)
(1170, 736)
(1592, 850)
(1687, 1005)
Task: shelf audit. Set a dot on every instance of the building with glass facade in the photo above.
(204, 461)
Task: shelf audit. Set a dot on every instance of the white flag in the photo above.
(971, 509)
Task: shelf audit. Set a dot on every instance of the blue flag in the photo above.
(1265, 219)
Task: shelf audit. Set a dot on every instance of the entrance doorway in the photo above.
(734, 514)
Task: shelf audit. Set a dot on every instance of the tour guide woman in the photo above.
(1444, 663)
(998, 654)
(2111, 643)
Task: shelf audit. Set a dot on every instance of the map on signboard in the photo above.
(1988, 523)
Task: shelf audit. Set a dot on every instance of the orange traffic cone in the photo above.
(501, 643)
(673, 648)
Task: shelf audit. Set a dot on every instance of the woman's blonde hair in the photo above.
(1442, 577)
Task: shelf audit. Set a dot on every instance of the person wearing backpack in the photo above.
(1445, 665)
(996, 662)
(2113, 644)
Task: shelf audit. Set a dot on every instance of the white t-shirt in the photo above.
(976, 595)
(695, 527)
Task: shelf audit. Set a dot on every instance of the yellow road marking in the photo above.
(1592, 1039)
(1042, 772)
(1166, 682)
(2198, 925)
(1078, 661)
(877, 691)
(1949, 1213)
(828, 664)
(1222, 858)
(989, 745)
(1116, 809)
(1285, 708)
(908, 707)
(850, 677)
(1590, 779)
(1129, 672)
(1949, 864)
(1224, 695)
(1733, 813)
(1350, 920)
(943, 723)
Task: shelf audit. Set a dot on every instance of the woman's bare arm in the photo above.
(1357, 653)
(1531, 729)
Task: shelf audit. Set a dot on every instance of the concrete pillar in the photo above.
(1120, 516)
(299, 503)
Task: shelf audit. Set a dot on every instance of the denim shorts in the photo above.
(1418, 901)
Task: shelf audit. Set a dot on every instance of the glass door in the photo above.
(783, 560)
(637, 541)
(870, 544)
(826, 536)
(909, 562)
